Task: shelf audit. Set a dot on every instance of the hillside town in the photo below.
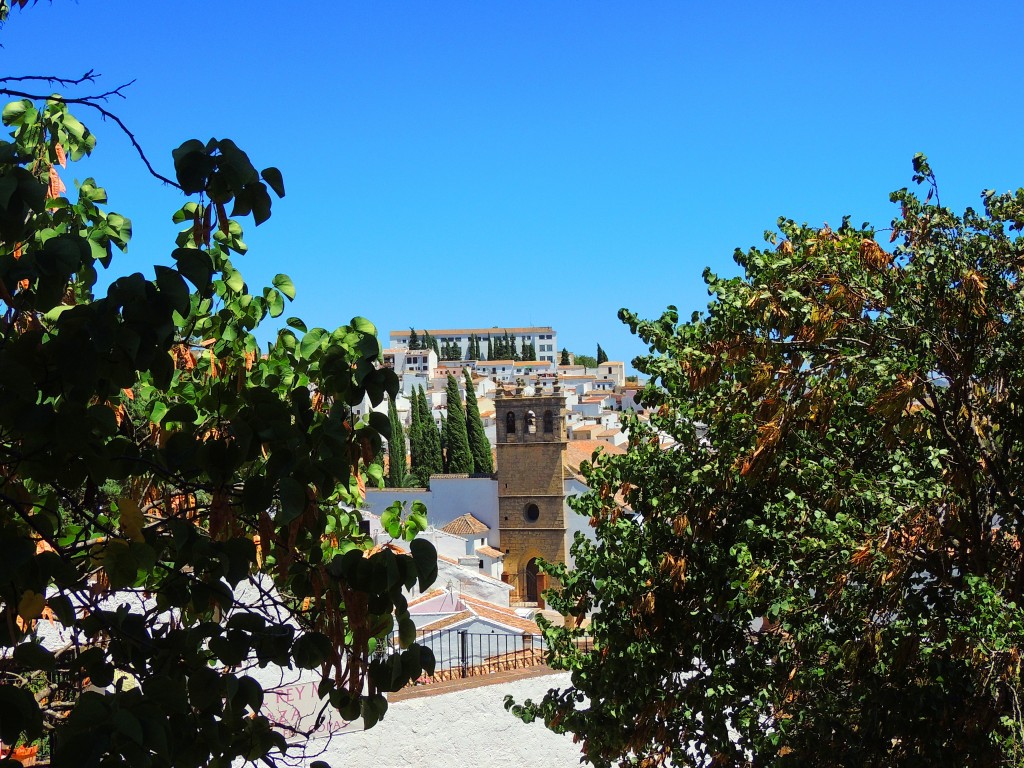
(542, 420)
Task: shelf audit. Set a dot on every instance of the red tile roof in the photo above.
(498, 614)
(464, 525)
(490, 551)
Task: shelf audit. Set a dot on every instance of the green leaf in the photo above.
(233, 280)
(274, 179)
(311, 650)
(174, 288)
(19, 714)
(293, 500)
(380, 423)
(33, 656)
(425, 556)
(311, 342)
(275, 302)
(406, 631)
(157, 413)
(284, 284)
(363, 325)
(195, 265)
(15, 111)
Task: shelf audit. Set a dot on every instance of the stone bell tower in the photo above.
(531, 514)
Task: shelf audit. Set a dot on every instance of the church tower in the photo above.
(531, 514)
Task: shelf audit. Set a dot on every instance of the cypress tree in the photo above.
(414, 339)
(601, 356)
(415, 439)
(565, 357)
(479, 446)
(458, 458)
(397, 474)
(489, 356)
(431, 439)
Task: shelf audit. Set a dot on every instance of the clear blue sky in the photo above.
(514, 163)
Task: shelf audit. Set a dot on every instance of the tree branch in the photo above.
(88, 77)
(91, 102)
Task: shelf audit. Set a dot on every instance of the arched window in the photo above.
(510, 424)
(531, 513)
(549, 422)
(531, 422)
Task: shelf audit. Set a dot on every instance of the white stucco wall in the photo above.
(464, 728)
(576, 523)
(447, 499)
(454, 497)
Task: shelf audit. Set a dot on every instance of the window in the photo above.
(532, 513)
(531, 422)
(510, 424)
(549, 422)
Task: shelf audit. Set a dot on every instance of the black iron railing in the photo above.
(462, 654)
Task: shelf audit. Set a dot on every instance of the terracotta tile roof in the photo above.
(464, 525)
(490, 551)
(467, 607)
(447, 621)
(426, 596)
(500, 614)
(578, 451)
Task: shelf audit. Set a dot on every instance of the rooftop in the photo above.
(466, 524)
(495, 331)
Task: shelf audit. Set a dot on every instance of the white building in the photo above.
(544, 338)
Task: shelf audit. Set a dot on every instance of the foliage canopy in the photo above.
(173, 498)
(825, 566)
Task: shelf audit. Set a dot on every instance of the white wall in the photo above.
(469, 727)
(576, 523)
(454, 497)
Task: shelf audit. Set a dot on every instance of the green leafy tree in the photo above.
(827, 569)
(414, 339)
(479, 445)
(565, 357)
(458, 459)
(490, 355)
(602, 357)
(149, 447)
(586, 361)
